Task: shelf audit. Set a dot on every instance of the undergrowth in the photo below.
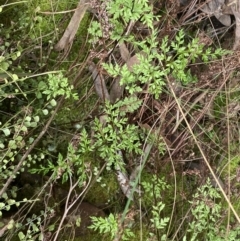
(118, 155)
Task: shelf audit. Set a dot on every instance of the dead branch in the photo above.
(73, 26)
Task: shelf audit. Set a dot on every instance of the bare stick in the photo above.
(72, 27)
(67, 206)
(99, 83)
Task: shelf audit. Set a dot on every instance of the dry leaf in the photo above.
(99, 83)
(116, 91)
(132, 61)
(224, 19)
(124, 52)
(214, 7)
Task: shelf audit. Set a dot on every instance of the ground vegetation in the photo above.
(119, 120)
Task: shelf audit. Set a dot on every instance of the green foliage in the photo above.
(128, 105)
(105, 189)
(73, 163)
(121, 13)
(158, 223)
(105, 225)
(95, 31)
(173, 58)
(32, 227)
(131, 11)
(8, 202)
(115, 135)
(153, 190)
(13, 139)
(36, 24)
(26, 99)
(7, 58)
(57, 85)
(110, 226)
(128, 234)
(155, 187)
(207, 216)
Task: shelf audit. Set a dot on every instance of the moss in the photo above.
(104, 192)
(141, 233)
(81, 37)
(174, 193)
(72, 112)
(34, 23)
(68, 113)
(167, 193)
(31, 15)
(233, 165)
(79, 48)
(44, 21)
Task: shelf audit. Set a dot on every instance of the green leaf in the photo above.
(4, 66)
(6, 132)
(51, 227)
(28, 119)
(24, 128)
(19, 138)
(36, 118)
(53, 102)
(31, 140)
(2, 205)
(21, 236)
(45, 111)
(12, 144)
(14, 77)
(78, 222)
(33, 124)
(10, 224)
(42, 85)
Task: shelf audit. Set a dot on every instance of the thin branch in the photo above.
(73, 26)
(67, 206)
(203, 155)
(17, 168)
